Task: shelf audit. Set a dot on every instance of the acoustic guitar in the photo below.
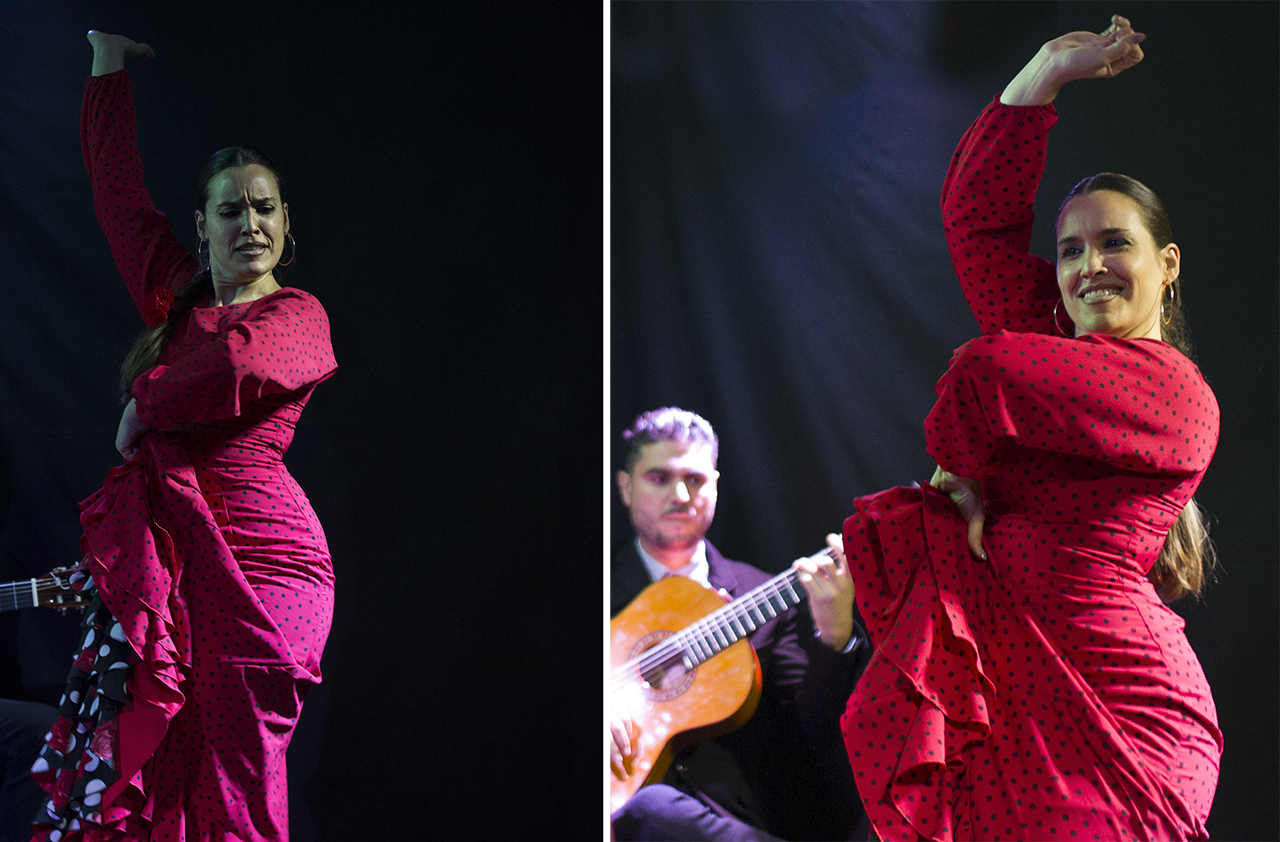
(683, 669)
(51, 591)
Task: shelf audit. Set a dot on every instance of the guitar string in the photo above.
(738, 609)
(16, 592)
(699, 641)
(15, 595)
(703, 630)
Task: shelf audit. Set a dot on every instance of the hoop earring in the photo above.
(288, 238)
(1057, 326)
(202, 253)
(1166, 309)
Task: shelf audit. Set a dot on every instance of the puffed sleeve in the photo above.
(152, 261)
(281, 346)
(987, 215)
(1139, 405)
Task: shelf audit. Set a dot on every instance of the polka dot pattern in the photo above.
(211, 564)
(1047, 694)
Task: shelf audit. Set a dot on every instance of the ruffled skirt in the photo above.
(972, 722)
(183, 699)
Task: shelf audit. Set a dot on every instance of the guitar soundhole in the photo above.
(666, 675)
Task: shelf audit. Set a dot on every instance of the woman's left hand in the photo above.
(130, 432)
(967, 495)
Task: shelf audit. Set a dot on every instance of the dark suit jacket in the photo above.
(784, 771)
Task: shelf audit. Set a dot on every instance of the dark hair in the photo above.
(152, 341)
(1156, 220)
(1187, 560)
(668, 424)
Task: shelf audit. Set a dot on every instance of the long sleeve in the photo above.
(1138, 405)
(152, 261)
(222, 362)
(987, 215)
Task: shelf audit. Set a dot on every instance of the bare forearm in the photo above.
(1035, 84)
(105, 61)
(108, 54)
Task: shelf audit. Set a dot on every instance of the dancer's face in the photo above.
(245, 223)
(1110, 272)
(671, 492)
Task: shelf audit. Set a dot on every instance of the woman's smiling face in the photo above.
(1110, 271)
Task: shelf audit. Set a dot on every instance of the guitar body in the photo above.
(685, 706)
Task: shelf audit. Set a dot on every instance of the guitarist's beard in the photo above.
(664, 540)
(668, 543)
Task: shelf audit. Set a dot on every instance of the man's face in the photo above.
(671, 492)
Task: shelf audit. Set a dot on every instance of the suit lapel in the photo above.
(628, 577)
(719, 573)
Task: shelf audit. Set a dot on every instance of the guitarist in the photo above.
(782, 775)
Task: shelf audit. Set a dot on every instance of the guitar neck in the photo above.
(52, 591)
(740, 618)
(21, 594)
(725, 627)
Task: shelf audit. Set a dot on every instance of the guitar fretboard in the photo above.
(721, 629)
(22, 594)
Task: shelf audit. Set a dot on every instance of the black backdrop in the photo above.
(778, 265)
(444, 175)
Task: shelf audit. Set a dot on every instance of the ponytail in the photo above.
(1187, 561)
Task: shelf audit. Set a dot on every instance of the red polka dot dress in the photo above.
(213, 576)
(1049, 693)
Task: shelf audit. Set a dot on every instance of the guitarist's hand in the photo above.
(831, 594)
(621, 742)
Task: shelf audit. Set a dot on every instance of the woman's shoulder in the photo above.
(1152, 351)
(289, 300)
(294, 294)
(1094, 355)
(1091, 344)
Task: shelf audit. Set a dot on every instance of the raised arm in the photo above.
(152, 261)
(990, 188)
(987, 212)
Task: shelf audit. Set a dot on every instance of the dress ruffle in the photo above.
(927, 730)
(134, 647)
(917, 592)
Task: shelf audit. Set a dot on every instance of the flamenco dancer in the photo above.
(212, 582)
(1028, 681)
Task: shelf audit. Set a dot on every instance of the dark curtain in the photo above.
(443, 167)
(778, 265)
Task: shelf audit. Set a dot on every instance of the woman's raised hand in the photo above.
(110, 51)
(1076, 55)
